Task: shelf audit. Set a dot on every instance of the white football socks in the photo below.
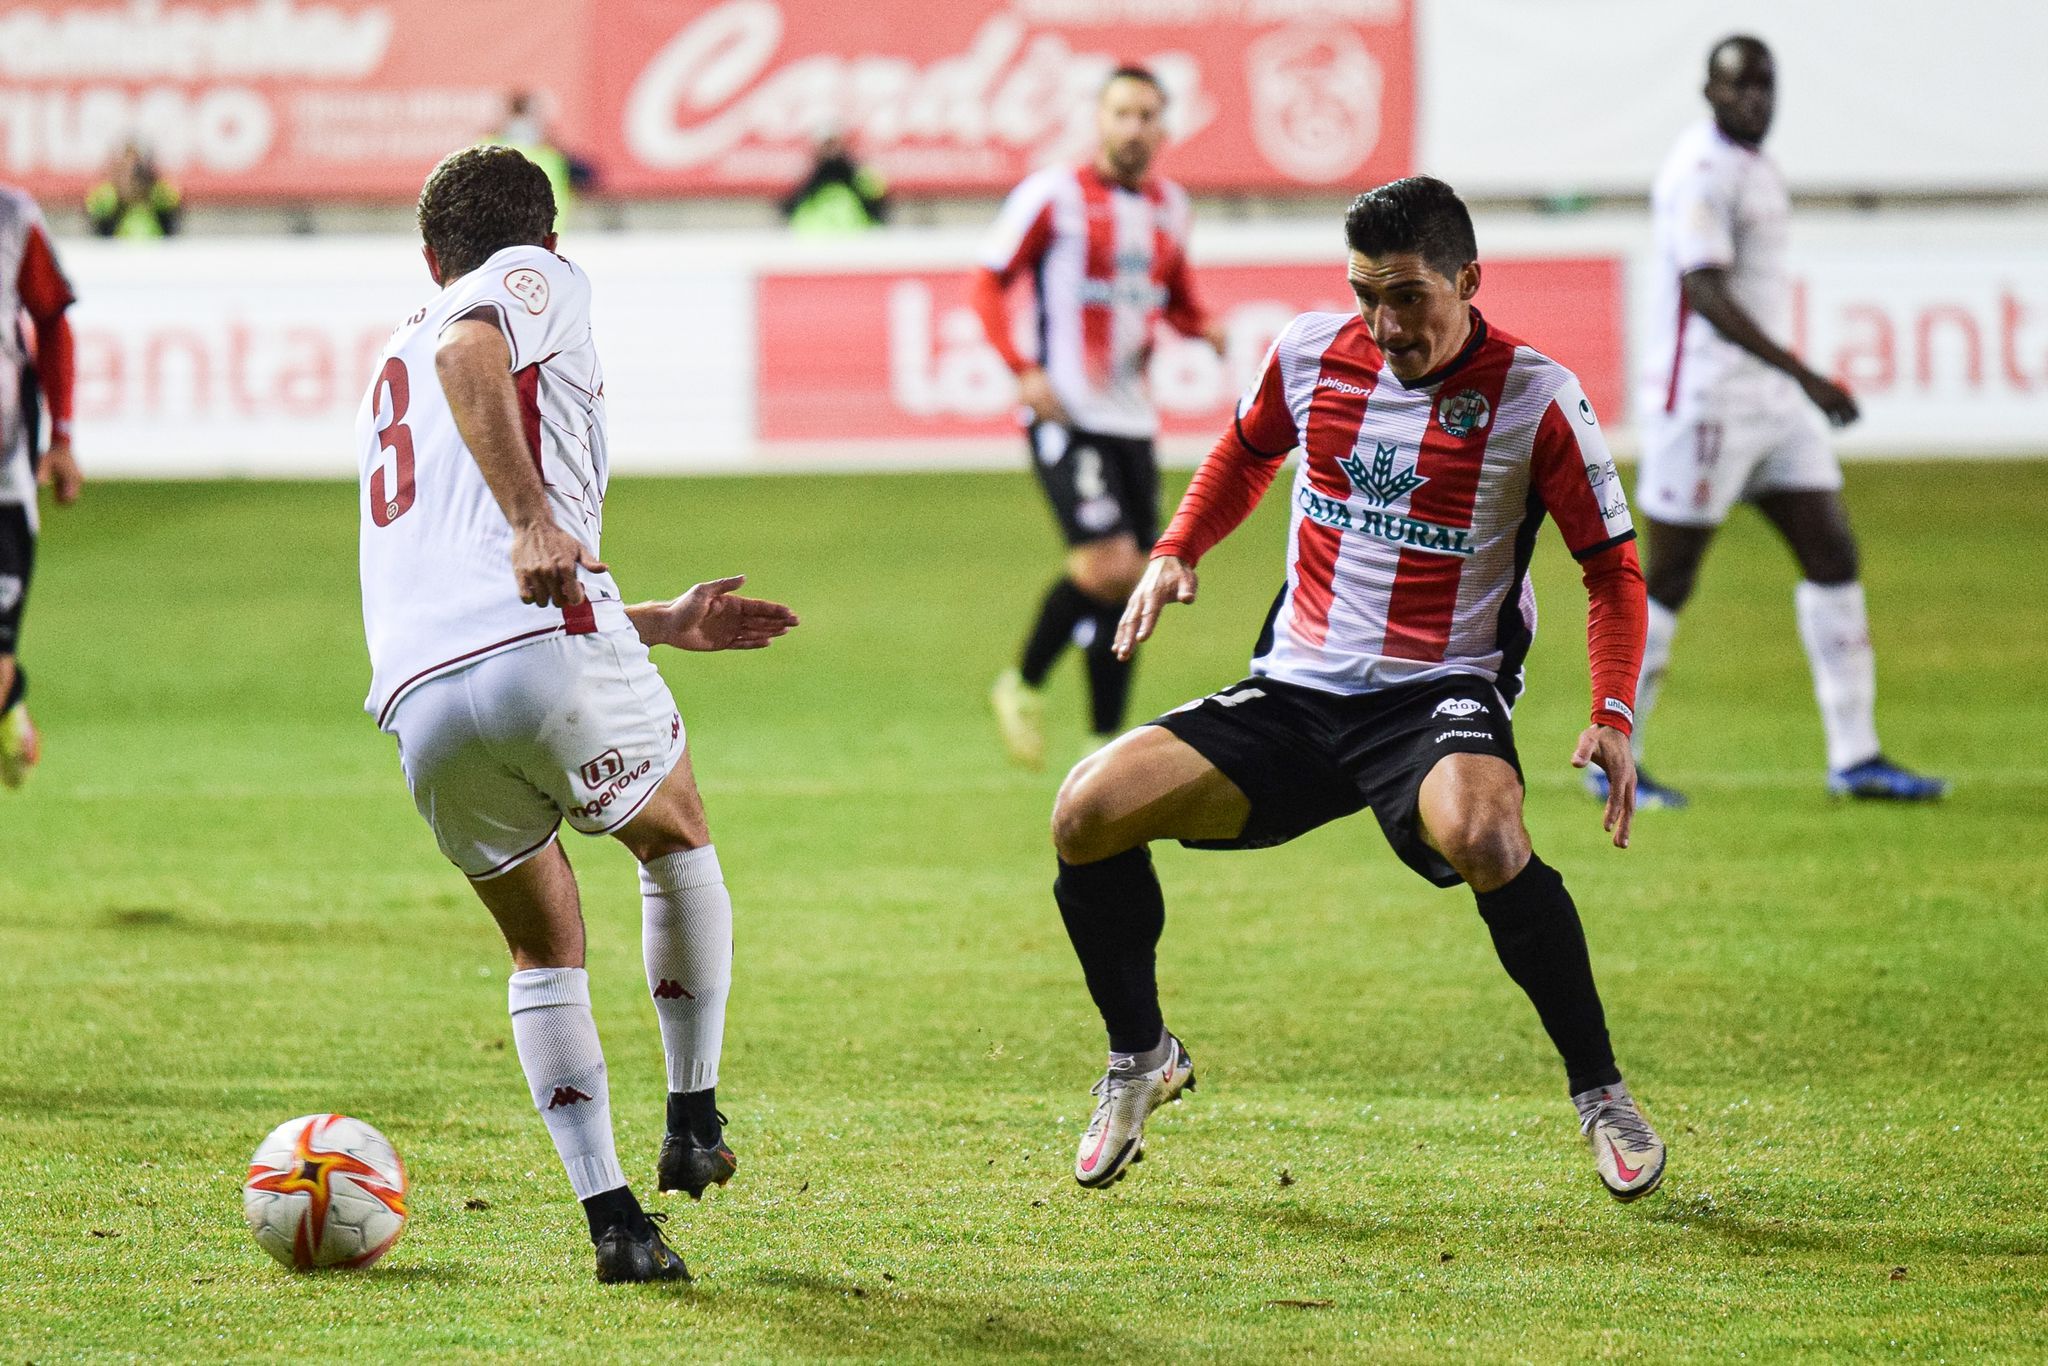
(1836, 633)
(558, 1048)
(1656, 659)
(686, 939)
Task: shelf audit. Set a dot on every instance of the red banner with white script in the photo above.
(339, 99)
(902, 356)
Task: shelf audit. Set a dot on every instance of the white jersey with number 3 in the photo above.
(436, 551)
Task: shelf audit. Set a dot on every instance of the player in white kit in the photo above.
(1728, 414)
(518, 684)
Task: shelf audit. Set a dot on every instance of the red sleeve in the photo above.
(1184, 310)
(1237, 472)
(45, 293)
(994, 309)
(1582, 491)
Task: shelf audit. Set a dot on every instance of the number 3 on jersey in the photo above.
(387, 505)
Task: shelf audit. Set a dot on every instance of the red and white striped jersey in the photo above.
(32, 283)
(1415, 509)
(436, 550)
(1717, 203)
(1108, 263)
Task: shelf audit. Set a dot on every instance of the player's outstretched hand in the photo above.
(60, 472)
(1831, 398)
(544, 561)
(1034, 391)
(710, 617)
(1167, 579)
(1608, 747)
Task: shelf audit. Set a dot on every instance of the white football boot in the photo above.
(1020, 716)
(1626, 1149)
(20, 746)
(1128, 1095)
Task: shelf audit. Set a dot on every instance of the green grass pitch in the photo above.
(218, 910)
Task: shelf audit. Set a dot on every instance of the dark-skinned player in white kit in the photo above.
(1434, 446)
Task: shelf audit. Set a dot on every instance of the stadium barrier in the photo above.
(725, 352)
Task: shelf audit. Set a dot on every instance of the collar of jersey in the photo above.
(1455, 363)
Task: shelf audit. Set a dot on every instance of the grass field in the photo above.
(218, 910)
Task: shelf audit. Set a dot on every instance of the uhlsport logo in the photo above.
(603, 768)
(1455, 706)
(1464, 413)
(1382, 483)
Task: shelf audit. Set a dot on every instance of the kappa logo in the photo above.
(567, 1095)
(528, 286)
(1382, 483)
(1456, 706)
(671, 990)
(603, 768)
(1464, 413)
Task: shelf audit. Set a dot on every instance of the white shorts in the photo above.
(1697, 465)
(498, 754)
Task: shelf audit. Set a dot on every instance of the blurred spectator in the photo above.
(525, 131)
(134, 201)
(839, 196)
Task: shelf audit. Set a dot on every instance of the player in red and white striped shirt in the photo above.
(35, 371)
(1433, 445)
(1105, 246)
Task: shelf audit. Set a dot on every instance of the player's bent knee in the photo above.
(1084, 827)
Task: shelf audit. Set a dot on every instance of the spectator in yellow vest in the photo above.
(839, 196)
(525, 131)
(134, 201)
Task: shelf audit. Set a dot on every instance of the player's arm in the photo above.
(1017, 243)
(474, 365)
(1580, 488)
(1232, 478)
(46, 294)
(1708, 293)
(1185, 312)
(711, 617)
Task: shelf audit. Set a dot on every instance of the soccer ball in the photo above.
(325, 1190)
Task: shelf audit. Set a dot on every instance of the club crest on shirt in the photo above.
(1381, 482)
(528, 286)
(1464, 413)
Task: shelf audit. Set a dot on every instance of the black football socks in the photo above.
(612, 1209)
(1537, 934)
(1114, 912)
(695, 1114)
(1109, 678)
(1063, 608)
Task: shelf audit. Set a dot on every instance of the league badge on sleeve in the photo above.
(1464, 413)
(528, 286)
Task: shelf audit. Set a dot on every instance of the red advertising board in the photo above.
(273, 98)
(902, 356)
(974, 94)
(358, 98)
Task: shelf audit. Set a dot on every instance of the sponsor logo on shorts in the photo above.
(10, 591)
(1444, 735)
(1464, 413)
(1456, 706)
(603, 768)
(596, 805)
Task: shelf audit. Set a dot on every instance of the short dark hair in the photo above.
(1418, 213)
(479, 201)
(1747, 45)
(1130, 71)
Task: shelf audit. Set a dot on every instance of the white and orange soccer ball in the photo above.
(325, 1190)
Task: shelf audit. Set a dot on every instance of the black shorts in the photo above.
(1099, 486)
(17, 567)
(1306, 758)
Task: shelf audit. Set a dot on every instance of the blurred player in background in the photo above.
(134, 201)
(1434, 445)
(525, 131)
(35, 370)
(1105, 246)
(518, 685)
(1729, 414)
(839, 195)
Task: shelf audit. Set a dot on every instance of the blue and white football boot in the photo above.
(1878, 779)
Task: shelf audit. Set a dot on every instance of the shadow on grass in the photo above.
(1757, 1235)
(837, 1314)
